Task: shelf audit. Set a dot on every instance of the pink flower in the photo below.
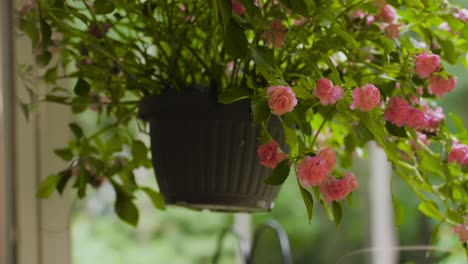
(329, 156)
(370, 19)
(445, 26)
(458, 154)
(337, 190)
(426, 64)
(282, 99)
(365, 98)
(326, 92)
(461, 14)
(25, 9)
(387, 13)
(270, 154)
(237, 7)
(351, 182)
(439, 85)
(392, 30)
(358, 14)
(434, 116)
(462, 232)
(397, 111)
(416, 119)
(312, 171)
(276, 35)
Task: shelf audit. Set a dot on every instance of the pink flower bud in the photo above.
(326, 92)
(392, 30)
(458, 154)
(387, 13)
(426, 64)
(312, 171)
(397, 111)
(365, 98)
(276, 35)
(462, 232)
(281, 99)
(237, 7)
(270, 154)
(439, 85)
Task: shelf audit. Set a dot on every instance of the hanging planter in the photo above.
(204, 153)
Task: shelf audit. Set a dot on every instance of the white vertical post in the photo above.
(43, 227)
(243, 226)
(7, 215)
(383, 238)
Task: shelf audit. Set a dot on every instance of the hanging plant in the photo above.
(335, 74)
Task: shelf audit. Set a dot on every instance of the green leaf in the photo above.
(235, 41)
(395, 130)
(398, 211)
(337, 212)
(126, 210)
(430, 209)
(139, 151)
(155, 197)
(260, 110)
(265, 62)
(25, 109)
(279, 174)
(103, 7)
(43, 58)
(76, 129)
(82, 181)
(230, 96)
(65, 176)
(48, 186)
(79, 104)
(308, 201)
(82, 88)
(290, 137)
(46, 33)
(64, 154)
(225, 11)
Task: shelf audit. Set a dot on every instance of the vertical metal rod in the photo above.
(7, 84)
(382, 225)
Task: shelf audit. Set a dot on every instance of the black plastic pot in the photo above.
(205, 154)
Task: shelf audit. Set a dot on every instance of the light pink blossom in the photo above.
(370, 19)
(326, 92)
(237, 7)
(461, 14)
(312, 171)
(445, 26)
(358, 14)
(387, 14)
(365, 98)
(458, 154)
(462, 232)
(270, 154)
(397, 111)
(329, 156)
(440, 86)
(426, 64)
(282, 99)
(434, 116)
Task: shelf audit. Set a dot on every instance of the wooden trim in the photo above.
(7, 215)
